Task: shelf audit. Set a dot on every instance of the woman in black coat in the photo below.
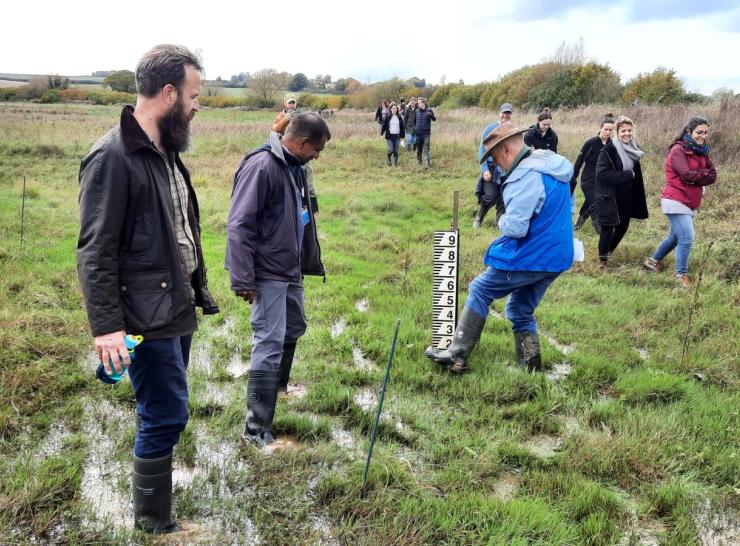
(394, 131)
(620, 191)
(587, 159)
(541, 135)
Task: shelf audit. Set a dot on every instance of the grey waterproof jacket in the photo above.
(262, 239)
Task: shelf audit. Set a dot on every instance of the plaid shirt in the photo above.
(185, 240)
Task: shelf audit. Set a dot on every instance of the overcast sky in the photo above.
(466, 39)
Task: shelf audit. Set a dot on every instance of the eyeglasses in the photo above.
(702, 133)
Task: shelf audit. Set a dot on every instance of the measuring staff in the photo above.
(536, 246)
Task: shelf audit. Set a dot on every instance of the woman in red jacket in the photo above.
(688, 170)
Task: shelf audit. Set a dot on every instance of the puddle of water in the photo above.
(506, 486)
(565, 349)
(644, 355)
(102, 470)
(560, 370)
(717, 528)
(321, 524)
(227, 328)
(209, 456)
(53, 442)
(366, 399)
(362, 305)
(544, 445)
(644, 533)
(283, 444)
(200, 358)
(571, 425)
(338, 328)
(295, 392)
(237, 367)
(360, 360)
(343, 438)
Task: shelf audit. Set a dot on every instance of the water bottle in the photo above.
(114, 377)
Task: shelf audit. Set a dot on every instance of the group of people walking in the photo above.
(412, 122)
(610, 170)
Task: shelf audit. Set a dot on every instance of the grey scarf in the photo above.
(628, 153)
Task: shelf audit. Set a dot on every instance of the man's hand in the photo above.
(487, 176)
(112, 347)
(246, 295)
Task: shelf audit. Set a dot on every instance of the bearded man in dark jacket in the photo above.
(140, 263)
(272, 243)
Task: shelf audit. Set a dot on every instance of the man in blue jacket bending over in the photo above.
(271, 244)
(536, 246)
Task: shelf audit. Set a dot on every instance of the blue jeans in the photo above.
(160, 385)
(277, 318)
(524, 288)
(392, 144)
(681, 237)
(410, 139)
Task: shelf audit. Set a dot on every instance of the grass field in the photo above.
(623, 441)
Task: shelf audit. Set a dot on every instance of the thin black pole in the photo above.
(380, 402)
(23, 207)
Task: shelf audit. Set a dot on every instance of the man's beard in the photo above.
(174, 129)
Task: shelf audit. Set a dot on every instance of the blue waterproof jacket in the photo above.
(537, 228)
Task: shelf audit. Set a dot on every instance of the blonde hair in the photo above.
(622, 120)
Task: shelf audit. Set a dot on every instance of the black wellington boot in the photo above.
(528, 355)
(389, 159)
(286, 363)
(262, 390)
(152, 485)
(469, 328)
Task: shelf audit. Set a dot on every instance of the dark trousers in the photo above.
(588, 202)
(422, 147)
(158, 375)
(611, 236)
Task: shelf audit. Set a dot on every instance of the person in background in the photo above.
(409, 119)
(688, 171)
(279, 125)
(290, 109)
(271, 244)
(541, 135)
(587, 159)
(488, 188)
(393, 130)
(140, 263)
(423, 131)
(620, 190)
(535, 247)
(382, 112)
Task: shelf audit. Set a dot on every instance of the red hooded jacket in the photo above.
(685, 174)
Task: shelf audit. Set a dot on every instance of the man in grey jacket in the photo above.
(271, 244)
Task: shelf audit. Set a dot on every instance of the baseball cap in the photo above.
(506, 107)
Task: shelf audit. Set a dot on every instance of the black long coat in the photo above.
(617, 189)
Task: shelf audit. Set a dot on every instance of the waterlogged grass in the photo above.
(636, 441)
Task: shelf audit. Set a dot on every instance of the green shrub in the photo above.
(50, 96)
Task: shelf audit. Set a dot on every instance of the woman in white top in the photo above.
(393, 129)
